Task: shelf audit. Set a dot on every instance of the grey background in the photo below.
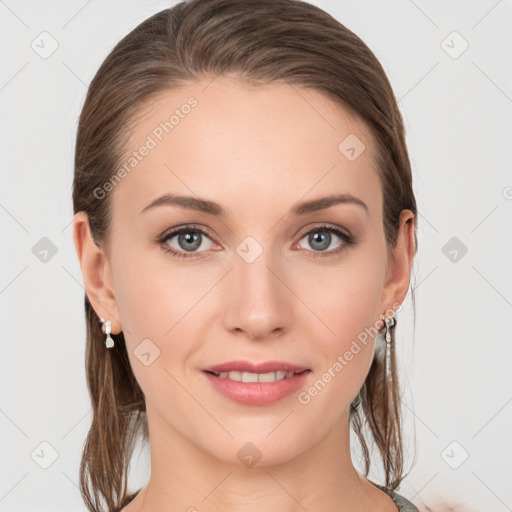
(457, 372)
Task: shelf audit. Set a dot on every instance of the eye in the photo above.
(186, 239)
(320, 239)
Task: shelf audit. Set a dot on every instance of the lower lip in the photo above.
(258, 393)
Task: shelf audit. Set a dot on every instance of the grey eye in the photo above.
(320, 239)
(188, 240)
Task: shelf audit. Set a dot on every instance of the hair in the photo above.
(258, 41)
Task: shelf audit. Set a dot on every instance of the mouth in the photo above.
(256, 384)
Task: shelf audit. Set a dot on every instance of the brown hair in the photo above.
(259, 41)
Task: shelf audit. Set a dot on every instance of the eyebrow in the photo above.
(212, 208)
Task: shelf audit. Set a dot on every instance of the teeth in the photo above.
(256, 377)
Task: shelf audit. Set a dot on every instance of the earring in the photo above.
(390, 321)
(107, 327)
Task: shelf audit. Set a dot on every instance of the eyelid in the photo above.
(325, 225)
(185, 227)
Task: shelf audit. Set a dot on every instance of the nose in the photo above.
(258, 302)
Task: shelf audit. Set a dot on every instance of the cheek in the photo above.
(159, 303)
(146, 313)
(154, 294)
(347, 300)
(346, 355)
(344, 297)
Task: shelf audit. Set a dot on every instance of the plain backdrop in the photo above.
(449, 64)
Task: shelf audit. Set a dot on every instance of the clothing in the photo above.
(402, 504)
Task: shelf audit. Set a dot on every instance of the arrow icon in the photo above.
(146, 352)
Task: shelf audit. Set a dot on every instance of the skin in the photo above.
(256, 151)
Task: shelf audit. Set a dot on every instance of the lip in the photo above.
(246, 366)
(257, 393)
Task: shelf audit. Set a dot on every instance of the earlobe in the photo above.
(96, 273)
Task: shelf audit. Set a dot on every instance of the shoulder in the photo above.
(402, 503)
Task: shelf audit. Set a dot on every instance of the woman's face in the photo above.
(265, 281)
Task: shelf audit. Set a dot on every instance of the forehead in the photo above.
(224, 140)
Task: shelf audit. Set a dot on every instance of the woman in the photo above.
(246, 226)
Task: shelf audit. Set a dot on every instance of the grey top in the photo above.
(402, 504)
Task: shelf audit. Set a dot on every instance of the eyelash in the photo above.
(348, 240)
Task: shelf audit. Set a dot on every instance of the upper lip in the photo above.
(246, 366)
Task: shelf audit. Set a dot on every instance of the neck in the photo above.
(185, 477)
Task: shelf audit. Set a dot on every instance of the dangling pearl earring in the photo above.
(107, 328)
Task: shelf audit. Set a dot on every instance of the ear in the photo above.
(400, 265)
(96, 272)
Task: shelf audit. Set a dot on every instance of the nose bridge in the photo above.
(258, 301)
